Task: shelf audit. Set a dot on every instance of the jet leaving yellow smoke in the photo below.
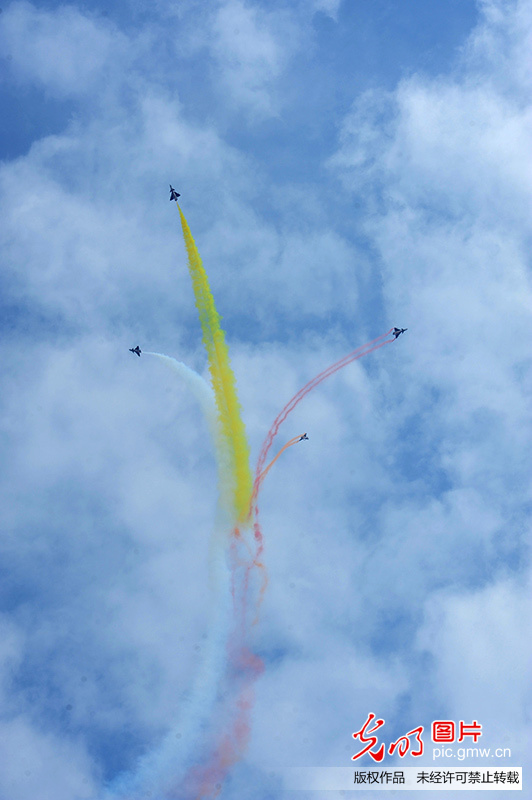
(223, 379)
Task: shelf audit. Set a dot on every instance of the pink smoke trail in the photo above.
(244, 667)
(234, 711)
(363, 350)
(260, 471)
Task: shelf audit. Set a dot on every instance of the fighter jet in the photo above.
(173, 194)
(303, 437)
(136, 350)
(398, 331)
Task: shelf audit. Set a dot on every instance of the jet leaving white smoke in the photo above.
(159, 770)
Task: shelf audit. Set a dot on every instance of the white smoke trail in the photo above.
(158, 770)
(204, 394)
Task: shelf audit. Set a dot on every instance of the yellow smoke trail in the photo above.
(223, 379)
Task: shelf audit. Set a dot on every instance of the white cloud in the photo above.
(413, 485)
(41, 765)
(440, 149)
(11, 654)
(252, 47)
(445, 167)
(329, 7)
(63, 50)
(482, 657)
(501, 48)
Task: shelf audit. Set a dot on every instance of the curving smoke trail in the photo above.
(261, 471)
(363, 350)
(223, 379)
(260, 476)
(205, 397)
(242, 666)
(192, 762)
(157, 771)
(228, 668)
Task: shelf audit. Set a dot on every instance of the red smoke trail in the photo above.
(260, 472)
(243, 669)
(206, 782)
(232, 745)
(265, 471)
(363, 350)
(244, 666)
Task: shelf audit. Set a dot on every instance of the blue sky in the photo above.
(344, 167)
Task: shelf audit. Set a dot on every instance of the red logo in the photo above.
(443, 731)
(474, 730)
(371, 741)
(403, 743)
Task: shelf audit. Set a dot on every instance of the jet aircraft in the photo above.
(303, 437)
(398, 331)
(136, 350)
(173, 194)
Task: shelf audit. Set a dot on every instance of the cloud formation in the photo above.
(65, 51)
(396, 540)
